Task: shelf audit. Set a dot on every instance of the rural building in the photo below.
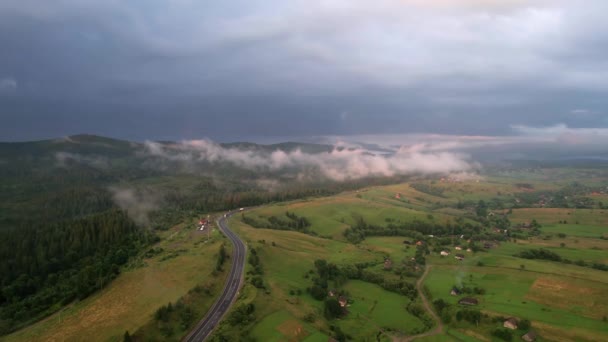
(458, 248)
(469, 250)
(419, 243)
(529, 337)
(468, 301)
(343, 301)
(459, 257)
(388, 264)
(398, 195)
(510, 323)
(444, 253)
(455, 291)
(331, 293)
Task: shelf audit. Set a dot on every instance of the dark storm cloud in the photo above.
(230, 69)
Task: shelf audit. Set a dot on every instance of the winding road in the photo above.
(425, 302)
(231, 288)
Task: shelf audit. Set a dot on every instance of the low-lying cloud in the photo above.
(63, 159)
(356, 157)
(339, 164)
(524, 142)
(138, 204)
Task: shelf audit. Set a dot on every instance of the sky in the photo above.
(274, 70)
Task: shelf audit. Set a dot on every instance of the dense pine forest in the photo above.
(45, 266)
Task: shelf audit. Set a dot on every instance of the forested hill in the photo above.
(74, 210)
(45, 266)
(72, 176)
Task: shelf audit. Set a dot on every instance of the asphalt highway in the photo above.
(231, 288)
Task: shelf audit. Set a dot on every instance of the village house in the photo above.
(398, 195)
(444, 253)
(459, 257)
(388, 264)
(331, 293)
(458, 248)
(469, 250)
(343, 301)
(468, 301)
(529, 337)
(419, 243)
(455, 291)
(510, 323)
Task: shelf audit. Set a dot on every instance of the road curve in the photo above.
(231, 288)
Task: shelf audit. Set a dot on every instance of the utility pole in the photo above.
(208, 228)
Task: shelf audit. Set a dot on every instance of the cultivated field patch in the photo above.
(570, 295)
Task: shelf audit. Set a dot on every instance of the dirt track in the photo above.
(439, 328)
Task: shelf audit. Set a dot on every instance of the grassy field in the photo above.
(373, 308)
(555, 303)
(130, 301)
(561, 300)
(282, 326)
(392, 246)
(552, 216)
(286, 257)
(330, 216)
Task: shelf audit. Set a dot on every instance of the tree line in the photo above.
(45, 266)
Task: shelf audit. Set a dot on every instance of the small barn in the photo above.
(529, 337)
(388, 264)
(444, 253)
(455, 291)
(468, 301)
(510, 323)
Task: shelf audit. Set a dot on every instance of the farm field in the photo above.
(373, 308)
(286, 257)
(282, 326)
(130, 301)
(559, 299)
(552, 216)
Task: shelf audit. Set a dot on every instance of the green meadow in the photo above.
(560, 299)
(286, 258)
